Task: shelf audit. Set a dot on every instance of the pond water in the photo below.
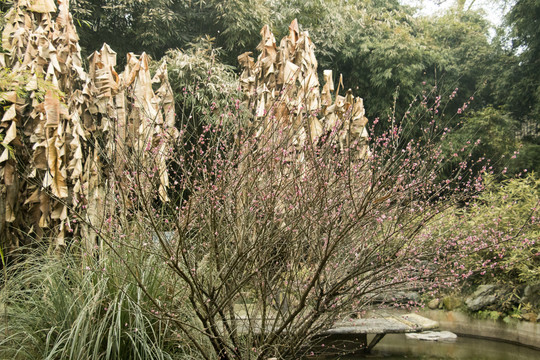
(399, 347)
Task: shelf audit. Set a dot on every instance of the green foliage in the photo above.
(239, 23)
(374, 44)
(152, 26)
(14, 83)
(380, 47)
(488, 315)
(493, 131)
(205, 89)
(4, 7)
(517, 86)
(525, 35)
(58, 307)
(202, 85)
(528, 158)
(464, 56)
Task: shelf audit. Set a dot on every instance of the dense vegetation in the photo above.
(255, 224)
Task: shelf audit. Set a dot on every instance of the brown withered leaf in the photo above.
(40, 158)
(57, 128)
(8, 96)
(294, 31)
(9, 173)
(44, 207)
(56, 172)
(10, 214)
(41, 6)
(164, 99)
(59, 212)
(290, 72)
(34, 198)
(11, 134)
(52, 109)
(246, 60)
(5, 155)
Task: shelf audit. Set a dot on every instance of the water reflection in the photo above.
(398, 347)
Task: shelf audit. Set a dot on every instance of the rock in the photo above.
(400, 297)
(529, 317)
(432, 336)
(484, 296)
(451, 303)
(480, 302)
(434, 304)
(413, 296)
(485, 289)
(531, 295)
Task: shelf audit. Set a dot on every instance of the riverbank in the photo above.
(518, 332)
(399, 347)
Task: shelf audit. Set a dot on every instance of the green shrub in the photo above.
(204, 88)
(493, 132)
(503, 225)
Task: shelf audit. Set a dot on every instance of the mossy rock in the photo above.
(434, 304)
(489, 315)
(451, 303)
(531, 316)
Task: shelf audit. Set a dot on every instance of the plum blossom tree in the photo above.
(268, 239)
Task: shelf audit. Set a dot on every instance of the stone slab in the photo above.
(432, 336)
(384, 325)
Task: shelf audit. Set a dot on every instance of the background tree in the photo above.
(519, 86)
(156, 26)
(153, 26)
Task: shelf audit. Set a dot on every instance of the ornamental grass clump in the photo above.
(65, 307)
